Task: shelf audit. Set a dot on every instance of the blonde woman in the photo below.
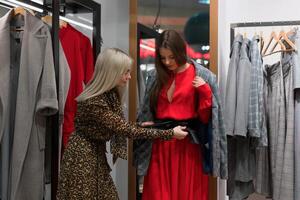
(84, 171)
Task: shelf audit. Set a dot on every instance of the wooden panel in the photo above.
(132, 94)
(213, 35)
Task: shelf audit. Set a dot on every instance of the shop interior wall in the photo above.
(115, 33)
(236, 11)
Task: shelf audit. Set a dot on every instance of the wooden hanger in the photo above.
(277, 41)
(292, 31)
(283, 35)
(48, 19)
(283, 48)
(21, 11)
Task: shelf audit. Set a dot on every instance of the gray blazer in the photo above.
(142, 148)
(231, 85)
(36, 98)
(243, 88)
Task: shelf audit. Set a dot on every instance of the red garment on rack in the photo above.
(175, 170)
(79, 54)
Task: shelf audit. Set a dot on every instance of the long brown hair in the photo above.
(171, 40)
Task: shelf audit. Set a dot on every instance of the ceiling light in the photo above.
(204, 1)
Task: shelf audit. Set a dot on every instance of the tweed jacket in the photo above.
(142, 148)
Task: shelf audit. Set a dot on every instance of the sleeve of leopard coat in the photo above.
(112, 121)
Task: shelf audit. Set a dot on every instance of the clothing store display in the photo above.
(255, 114)
(85, 171)
(264, 161)
(263, 182)
(177, 163)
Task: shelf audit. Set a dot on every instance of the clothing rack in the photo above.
(260, 24)
(54, 7)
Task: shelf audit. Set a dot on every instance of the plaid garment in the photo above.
(254, 109)
(256, 116)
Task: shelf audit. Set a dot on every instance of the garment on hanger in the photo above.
(79, 55)
(271, 128)
(296, 87)
(243, 88)
(35, 99)
(231, 85)
(241, 152)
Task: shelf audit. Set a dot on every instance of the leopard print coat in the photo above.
(84, 173)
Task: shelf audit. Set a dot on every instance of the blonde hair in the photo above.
(111, 64)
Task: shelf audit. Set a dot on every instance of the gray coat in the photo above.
(231, 85)
(36, 98)
(142, 148)
(243, 88)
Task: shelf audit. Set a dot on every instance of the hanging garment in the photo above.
(178, 163)
(241, 162)
(86, 50)
(142, 148)
(296, 87)
(284, 172)
(241, 151)
(78, 53)
(263, 182)
(36, 99)
(256, 92)
(231, 85)
(276, 123)
(243, 88)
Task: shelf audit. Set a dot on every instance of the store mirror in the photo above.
(146, 40)
(146, 56)
(190, 19)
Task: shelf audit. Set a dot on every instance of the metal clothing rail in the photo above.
(55, 9)
(73, 6)
(260, 24)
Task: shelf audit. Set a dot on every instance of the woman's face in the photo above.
(124, 78)
(168, 59)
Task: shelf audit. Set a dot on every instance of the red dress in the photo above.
(79, 54)
(175, 171)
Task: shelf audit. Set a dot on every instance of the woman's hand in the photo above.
(179, 132)
(198, 81)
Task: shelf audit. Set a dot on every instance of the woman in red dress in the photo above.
(175, 171)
